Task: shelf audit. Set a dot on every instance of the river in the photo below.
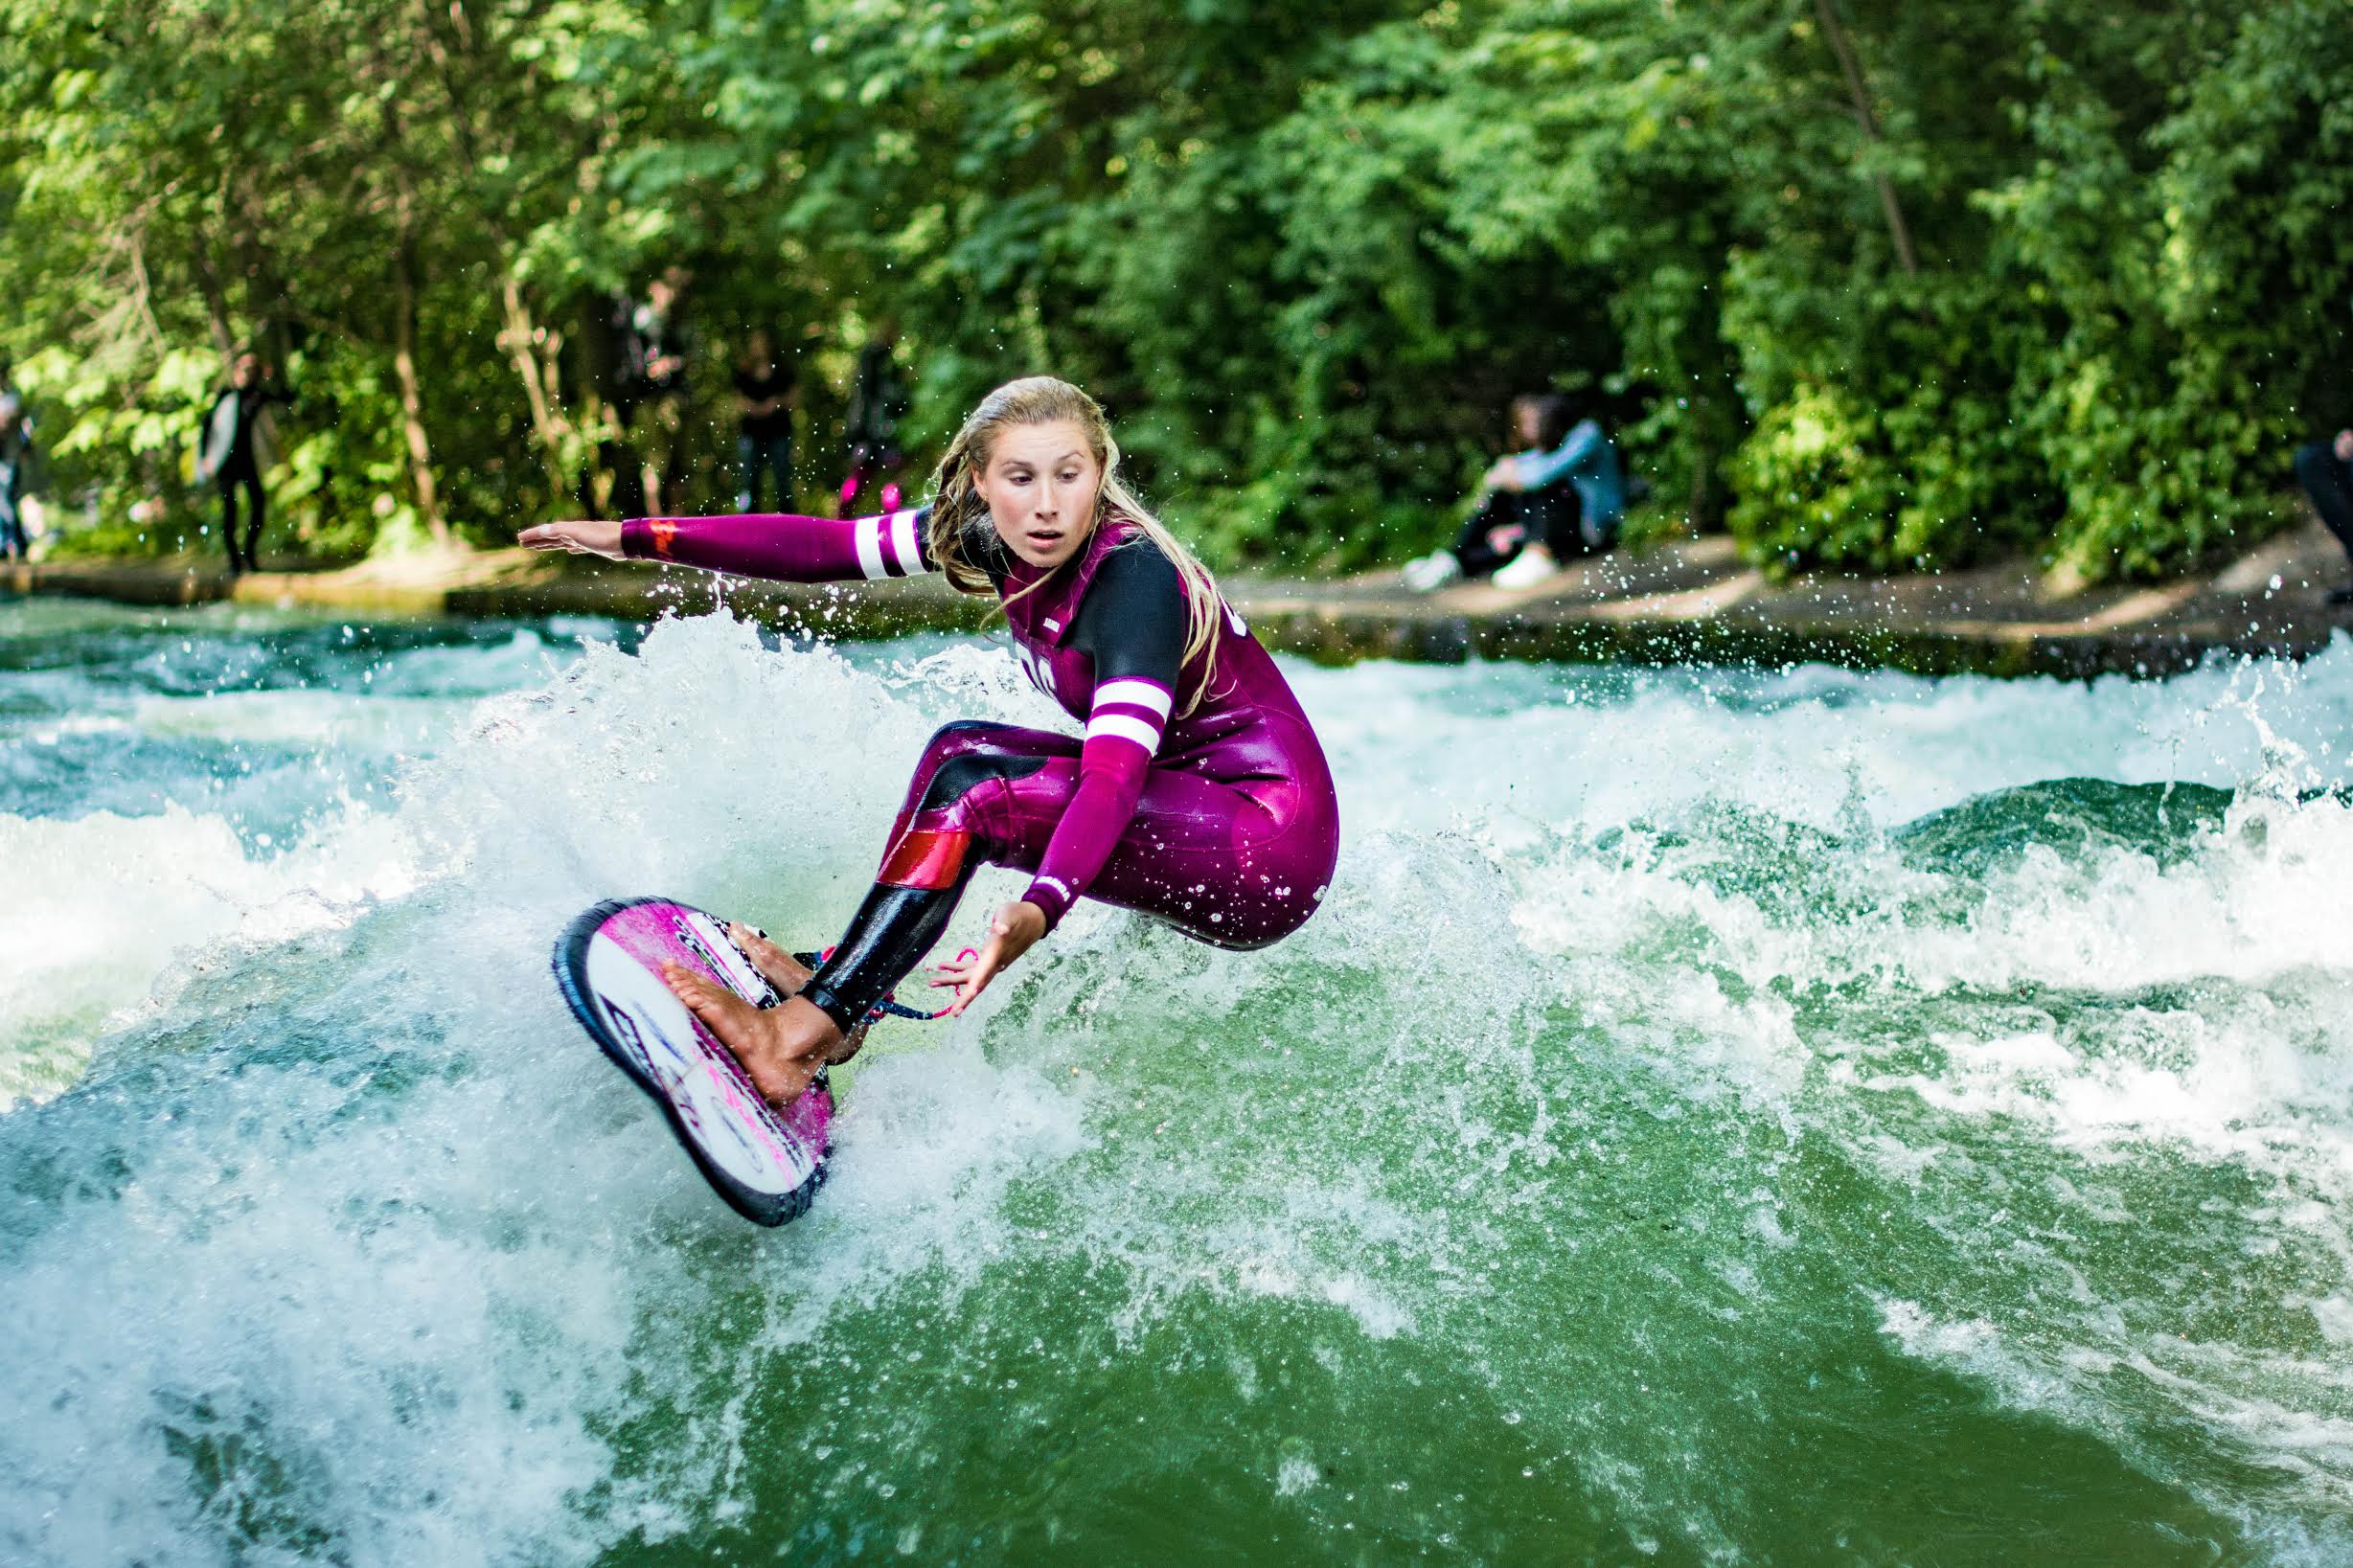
(1785, 1115)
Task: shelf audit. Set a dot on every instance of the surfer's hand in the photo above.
(581, 538)
(1014, 931)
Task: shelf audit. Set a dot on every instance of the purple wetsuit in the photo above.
(1222, 821)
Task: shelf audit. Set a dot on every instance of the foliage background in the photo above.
(1882, 284)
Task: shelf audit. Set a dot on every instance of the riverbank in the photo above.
(1685, 603)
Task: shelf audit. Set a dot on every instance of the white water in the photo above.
(344, 1245)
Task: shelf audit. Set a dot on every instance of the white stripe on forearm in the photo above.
(1125, 728)
(869, 534)
(1134, 689)
(903, 545)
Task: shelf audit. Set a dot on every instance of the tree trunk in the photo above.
(521, 337)
(405, 367)
(1834, 32)
(1696, 506)
(267, 298)
(529, 348)
(216, 296)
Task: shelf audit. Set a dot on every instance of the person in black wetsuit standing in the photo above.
(227, 456)
(763, 403)
(878, 401)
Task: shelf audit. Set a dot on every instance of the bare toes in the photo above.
(786, 973)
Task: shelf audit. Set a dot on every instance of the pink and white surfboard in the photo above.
(767, 1163)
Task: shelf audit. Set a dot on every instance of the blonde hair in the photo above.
(960, 515)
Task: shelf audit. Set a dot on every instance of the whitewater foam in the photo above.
(1655, 1019)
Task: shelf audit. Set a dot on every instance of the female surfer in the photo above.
(1199, 793)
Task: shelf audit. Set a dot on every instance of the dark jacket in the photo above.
(17, 455)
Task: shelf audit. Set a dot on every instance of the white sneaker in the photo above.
(1525, 570)
(1432, 572)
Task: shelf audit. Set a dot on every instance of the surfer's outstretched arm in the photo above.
(785, 546)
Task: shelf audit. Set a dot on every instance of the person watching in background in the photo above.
(1563, 496)
(765, 396)
(15, 476)
(878, 401)
(230, 455)
(2326, 470)
(657, 351)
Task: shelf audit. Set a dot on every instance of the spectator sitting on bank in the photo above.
(657, 350)
(878, 402)
(230, 456)
(765, 396)
(2326, 469)
(15, 476)
(1561, 497)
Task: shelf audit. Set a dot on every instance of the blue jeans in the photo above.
(755, 454)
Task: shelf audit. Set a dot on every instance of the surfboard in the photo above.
(767, 1163)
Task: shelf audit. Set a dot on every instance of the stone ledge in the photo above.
(1693, 602)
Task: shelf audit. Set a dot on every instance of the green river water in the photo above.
(1772, 1117)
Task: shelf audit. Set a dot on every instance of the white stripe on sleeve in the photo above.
(1127, 729)
(870, 547)
(1135, 689)
(903, 545)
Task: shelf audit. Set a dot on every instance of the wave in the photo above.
(1704, 1102)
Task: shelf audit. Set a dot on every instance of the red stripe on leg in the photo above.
(925, 858)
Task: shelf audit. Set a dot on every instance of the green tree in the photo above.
(1876, 284)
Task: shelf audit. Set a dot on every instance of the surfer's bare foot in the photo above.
(781, 1048)
(788, 974)
(781, 969)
